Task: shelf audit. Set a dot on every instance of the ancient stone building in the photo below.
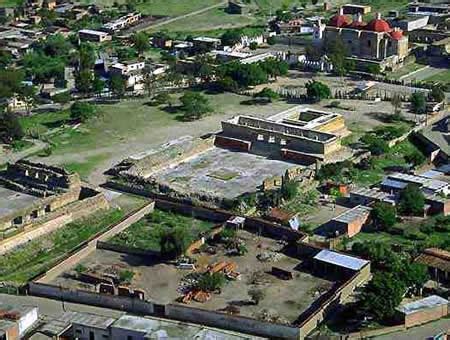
(374, 41)
(31, 192)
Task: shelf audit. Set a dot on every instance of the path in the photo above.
(12, 157)
(72, 260)
(187, 15)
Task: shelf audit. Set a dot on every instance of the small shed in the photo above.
(438, 263)
(331, 263)
(284, 217)
(351, 221)
(421, 311)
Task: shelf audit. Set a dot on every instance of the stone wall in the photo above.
(126, 304)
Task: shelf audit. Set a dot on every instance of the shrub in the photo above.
(211, 282)
(82, 111)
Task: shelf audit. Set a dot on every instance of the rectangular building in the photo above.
(422, 311)
(94, 36)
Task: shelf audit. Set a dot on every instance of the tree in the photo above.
(414, 275)
(98, 85)
(316, 91)
(82, 111)
(211, 282)
(117, 85)
(230, 37)
(384, 215)
(374, 69)
(412, 200)
(27, 95)
(256, 295)
(418, 103)
(396, 102)
(289, 189)
(83, 81)
(253, 45)
(415, 158)
(267, 94)
(10, 128)
(174, 242)
(62, 98)
(274, 68)
(382, 295)
(283, 15)
(437, 94)
(194, 105)
(271, 40)
(87, 56)
(141, 42)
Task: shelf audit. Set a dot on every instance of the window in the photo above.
(369, 43)
(79, 331)
(48, 208)
(129, 337)
(91, 335)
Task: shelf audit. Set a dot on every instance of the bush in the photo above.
(194, 105)
(268, 94)
(82, 111)
(384, 215)
(126, 276)
(271, 40)
(211, 282)
(253, 45)
(415, 158)
(316, 91)
(418, 103)
(412, 200)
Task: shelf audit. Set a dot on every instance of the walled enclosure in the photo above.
(33, 193)
(306, 322)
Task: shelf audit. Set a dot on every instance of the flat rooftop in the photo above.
(353, 214)
(221, 173)
(341, 260)
(11, 201)
(419, 305)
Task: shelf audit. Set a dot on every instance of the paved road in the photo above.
(72, 260)
(419, 333)
(55, 307)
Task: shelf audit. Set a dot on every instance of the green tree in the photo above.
(412, 200)
(62, 98)
(418, 103)
(98, 85)
(396, 102)
(82, 111)
(267, 94)
(230, 37)
(141, 42)
(384, 215)
(86, 56)
(10, 128)
(211, 282)
(174, 242)
(256, 295)
(253, 45)
(28, 95)
(414, 275)
(382, 295)
(83, 81)
(271, 40)
(195, 105)
(437, 94)
(117, 85)
(289, 189)
(316, 91)
(374, 69)
(415, 158)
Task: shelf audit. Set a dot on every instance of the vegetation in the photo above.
(268, 94)
(194, 105)
(10, 129)
(162, 231)
(384, 215)
(40, 254)
(256, 295)
(412, 200)
(211, 282)
(82, 111)
(418, 103)
(316, 91)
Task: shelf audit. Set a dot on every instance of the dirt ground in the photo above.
(283, 299)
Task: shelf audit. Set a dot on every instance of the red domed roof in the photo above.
(378, 25)
(397, 35)
(358, 24)
(340, 20)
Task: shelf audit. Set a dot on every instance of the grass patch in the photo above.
(85, 168)
(223, 175)
(442, 77)
(407, 69)
(40, 254)
(146, 234)
(20, 145)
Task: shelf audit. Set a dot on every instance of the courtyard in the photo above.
(283, 301)
(222, 173)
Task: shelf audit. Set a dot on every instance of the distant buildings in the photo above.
(375, 41)
(122, 22)
(94, 36)
(422, 311)
(438, 263)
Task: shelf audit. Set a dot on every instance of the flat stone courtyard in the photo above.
(11, 201)
(285, 299)
(222, 173)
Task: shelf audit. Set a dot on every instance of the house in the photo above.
(206, 43)
(422, 311)
(353, 9)
(94, 36)
(409, 23)
(398, 181)
(284, 217)
(438, 264)
(369, 196)
(237, 7)
(122, 22)
(131, 71)
(351, 221)
(24, 317)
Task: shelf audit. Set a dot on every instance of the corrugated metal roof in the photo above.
(353, 214)
(340, 260)
(394, 184)
(426, 303)
(431, 174)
